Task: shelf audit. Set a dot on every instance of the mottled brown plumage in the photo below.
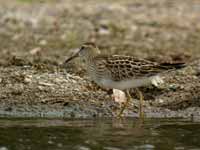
(122, 72)
(127, 67)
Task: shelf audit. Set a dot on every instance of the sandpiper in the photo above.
(122, 72)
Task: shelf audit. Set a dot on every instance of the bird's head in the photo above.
(86, 51)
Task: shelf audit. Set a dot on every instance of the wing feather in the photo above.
(126, 67)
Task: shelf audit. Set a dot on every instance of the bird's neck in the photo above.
(90, 56)
(89, 59)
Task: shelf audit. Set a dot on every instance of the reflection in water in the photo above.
(106, 134)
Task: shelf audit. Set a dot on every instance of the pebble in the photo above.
(60, 80)
(50, 142)
(45, 84)
(59, 145)
(41, 88)
(83, 148)
(160, 100)
(147, 146)
(104, 31)
(43, 42)
(3, 148)
(35, 50)
(172, 87)
(27, 79)
(16, 37)
(111, 148)
(17, 89)
(63, 37)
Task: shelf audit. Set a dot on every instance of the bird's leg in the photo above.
(126, 103)
(141, 103)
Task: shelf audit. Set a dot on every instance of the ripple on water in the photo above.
(81, 147)
(147, 146)
(105, 134)
(111, 148)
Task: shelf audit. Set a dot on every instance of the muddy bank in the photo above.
(37, 37)
(27, 93)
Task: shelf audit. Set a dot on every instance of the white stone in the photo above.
(119, 96)
(3, 148)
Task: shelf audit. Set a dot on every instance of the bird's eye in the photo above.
(82, 47)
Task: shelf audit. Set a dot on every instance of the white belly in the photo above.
(131, 83)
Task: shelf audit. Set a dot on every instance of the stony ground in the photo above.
(37, 36)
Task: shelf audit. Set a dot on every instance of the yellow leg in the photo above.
(141, 103)
(126, 104)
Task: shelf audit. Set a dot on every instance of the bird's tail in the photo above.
(177, 65)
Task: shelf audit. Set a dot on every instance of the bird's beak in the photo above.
(76, 54)
(72, 57)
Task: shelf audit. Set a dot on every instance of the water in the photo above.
(103, 134)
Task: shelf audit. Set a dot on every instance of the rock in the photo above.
(173, 87)
(45, 84)
(17, 89)
(119, 96)
(43, 42)
(3, 148)
(16, 37)
(27, 79)
(35, 50)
